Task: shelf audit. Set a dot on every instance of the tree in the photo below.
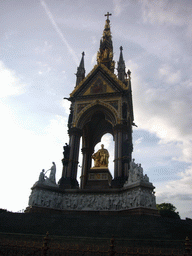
(168, 210)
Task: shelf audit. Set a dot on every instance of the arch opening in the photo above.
(96, 110)
(108, 142)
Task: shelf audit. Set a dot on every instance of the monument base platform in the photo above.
(131, 211)
(134, 198)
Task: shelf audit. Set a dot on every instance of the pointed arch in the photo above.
(87, 113)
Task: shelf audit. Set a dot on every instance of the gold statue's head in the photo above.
(102, 146)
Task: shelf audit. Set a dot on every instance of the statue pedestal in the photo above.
(134, 198)
(98, 178)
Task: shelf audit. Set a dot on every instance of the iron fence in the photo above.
(49, 247)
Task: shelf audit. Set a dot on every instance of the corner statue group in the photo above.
(101, 157)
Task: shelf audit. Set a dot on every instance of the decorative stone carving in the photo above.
(52, 173)
(48, 181)
(98, 87)
(137, 192)
(81, 106)
(127, 199)
(113, 104)
(70, 119)
(66, 151)
(101, 157)
(136, 174)
(42, 176)
(94, 103)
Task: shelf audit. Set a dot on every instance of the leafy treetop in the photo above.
(168, 210)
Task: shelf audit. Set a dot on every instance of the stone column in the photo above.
(86, 165)
(69, 177)
(118, 151)
(116, 156)
(75, 135)
(120, 167)
(120, 171)
(125, 154)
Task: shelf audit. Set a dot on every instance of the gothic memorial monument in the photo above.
(101, 103)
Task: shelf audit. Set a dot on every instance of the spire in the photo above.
(80, 70)
(121, 67)
(105, 53)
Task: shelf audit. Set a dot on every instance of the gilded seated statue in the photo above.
(101, 157)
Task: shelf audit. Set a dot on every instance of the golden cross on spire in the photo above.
(108, 14)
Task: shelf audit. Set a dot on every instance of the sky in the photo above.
(41, 45)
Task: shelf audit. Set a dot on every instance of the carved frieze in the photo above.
(130, 198)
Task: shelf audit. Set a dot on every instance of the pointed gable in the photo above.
(99, 81)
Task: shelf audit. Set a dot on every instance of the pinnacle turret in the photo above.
(121, 67)
(80, 70)
(105, 53)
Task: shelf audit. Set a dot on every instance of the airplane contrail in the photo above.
(57, 29)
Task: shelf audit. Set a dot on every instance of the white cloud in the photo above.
(42, 50)
(167, 12)
(119, 6)
(10, 83)
(164, 110)
(138, 141)
(66, 104)
(178, 192)
(55, 128)
(10, 33)
(59, 32)
(44, 68)
(94, 40)
(167, 72)
(93, 59)
(25, 153)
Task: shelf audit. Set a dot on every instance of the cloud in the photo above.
(59, 32)
(42, 50)
(167, 12)
(94, 40)
(119, 6)
(165, 109)
(169, 75)
(26, 152)
(10, 83)
(10, 33)
(66, 104)
(178, 192)
(138, 141)
(44, 68)
(93, 59)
